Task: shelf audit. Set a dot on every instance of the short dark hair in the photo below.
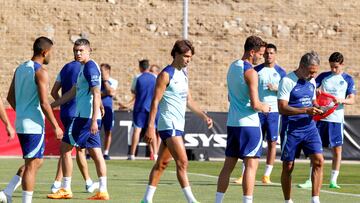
(105, 65)
(82, 42)
(336, 57)
(254, 43)
(182, 46)
(271, 46)
(41, 44)
(144, 64)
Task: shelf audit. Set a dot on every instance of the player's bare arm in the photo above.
(55, 90)
(96, 109)
(161, 82)
(65, 98)
(5, 119)
(251, 78)
(11, 94)
(285, 109)
(191, 104)
(42, 81)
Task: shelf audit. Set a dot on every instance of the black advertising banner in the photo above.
(204, 143)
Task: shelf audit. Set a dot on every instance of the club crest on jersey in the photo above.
(342, 82)
(275, 75)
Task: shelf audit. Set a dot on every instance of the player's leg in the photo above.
(107, 143)
(15, 182)
(101, 171)
(108, 123)
(156, 172)
(28, 181)
(134, 142)
(94, 147)
(312, 145)
(336, 141)
(224, 177)
(177, 150)
(58, 177)
(290, 144)
(90, 186)
(287, 168)
(32, 146)
(272, 130)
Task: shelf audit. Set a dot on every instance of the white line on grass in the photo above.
(324, 191)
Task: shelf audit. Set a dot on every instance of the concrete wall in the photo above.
(123, 32)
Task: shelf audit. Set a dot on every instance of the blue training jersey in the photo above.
(172, 105)
(143, 86)
(240, 111)
(338, 85)
(268, 76)
(67, 78)
(108, 100)
(299, 93)
(29, 116)
(89, 77)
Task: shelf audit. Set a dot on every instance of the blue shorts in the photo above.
(108, 119)
(32, 145)
(140, 119)
(66, 121)
(243, 142)
(78, 134)
(306, 139)
(270, 125)
(165, 134)
(331, 133)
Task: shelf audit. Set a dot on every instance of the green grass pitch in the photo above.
(127, 181)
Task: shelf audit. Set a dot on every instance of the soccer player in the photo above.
(86, 123)
(341, 85)
(28, 96)
(172, 96)
(270, 75)
(64, 81)
(243, 126)
(16, 180)
(108, 87)
(296, 100)
(142, 87)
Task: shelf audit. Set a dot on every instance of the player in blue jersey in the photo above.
(85, 124)
(296, 100)
(66, 78)
(28, 96)
(108, 88)
(142, 87)
(341, 85)
(172, 97)
(243, 126)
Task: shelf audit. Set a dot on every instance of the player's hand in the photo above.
(265, 108)
(59, 133)
(314, 111)
(105, 75)
(272, 87)
(94, 128)
(11, 132)
(209, 122)
(338, 100)
(150, 134)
